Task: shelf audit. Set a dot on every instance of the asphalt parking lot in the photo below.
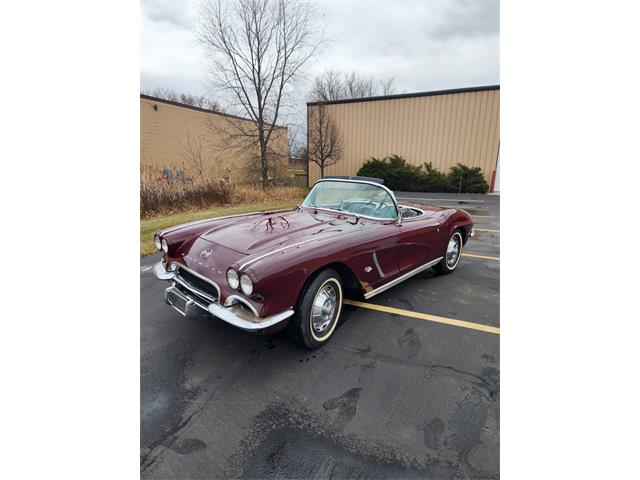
(391, 396)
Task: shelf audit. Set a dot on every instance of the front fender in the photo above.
(281, 286)
(279, 279)
(461, 220)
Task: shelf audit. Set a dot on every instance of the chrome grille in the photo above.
(195, 286)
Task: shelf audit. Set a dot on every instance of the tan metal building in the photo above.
(180, 137)
(444, 127)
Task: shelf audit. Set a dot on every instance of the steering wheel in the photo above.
(367, 208)
(382, 208)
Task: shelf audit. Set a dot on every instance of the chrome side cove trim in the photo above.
(233, 299)
(375, 260)
(234, 317)
(401, 278)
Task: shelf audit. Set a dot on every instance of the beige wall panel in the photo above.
(482, 143)
(443, 129)
(482, 119)
(456, 144)
(167, 130)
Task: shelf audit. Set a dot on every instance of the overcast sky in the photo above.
(424, 44)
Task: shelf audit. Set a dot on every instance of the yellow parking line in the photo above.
(474, 255)
(486, 230)
(425, 316)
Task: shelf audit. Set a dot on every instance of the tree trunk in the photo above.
(263, 155)
(263, 165)
(322, 171)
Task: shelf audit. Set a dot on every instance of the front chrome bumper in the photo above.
(190, 301)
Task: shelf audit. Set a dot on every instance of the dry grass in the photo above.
(273, 194)
(159, 197)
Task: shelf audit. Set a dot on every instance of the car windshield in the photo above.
(364, 199)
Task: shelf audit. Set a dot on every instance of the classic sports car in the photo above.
(263, 271)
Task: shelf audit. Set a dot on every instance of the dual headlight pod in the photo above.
(161, 244)
(232, 278)
(244, 282)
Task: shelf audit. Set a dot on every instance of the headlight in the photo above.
(232, 278)
(156, 240)
(172, 267)
(165, 246)
(246, 284)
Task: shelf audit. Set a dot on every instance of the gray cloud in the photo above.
(425, 45)
(178, 13)
(468, 18)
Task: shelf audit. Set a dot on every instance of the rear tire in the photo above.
(452, 254)
(318, 310)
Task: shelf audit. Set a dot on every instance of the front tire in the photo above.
(452, 254)
(318, 310)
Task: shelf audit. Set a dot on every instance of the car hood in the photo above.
(257, 233)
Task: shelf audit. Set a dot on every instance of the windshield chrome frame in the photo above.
(344, 212)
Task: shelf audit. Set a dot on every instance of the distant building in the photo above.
(443, 127)
(176, 138)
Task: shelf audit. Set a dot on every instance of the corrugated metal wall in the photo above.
(167, 129)
(440, 128)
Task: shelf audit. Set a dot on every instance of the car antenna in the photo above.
(460, 187)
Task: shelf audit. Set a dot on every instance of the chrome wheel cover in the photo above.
(324, 308)
(453, 250)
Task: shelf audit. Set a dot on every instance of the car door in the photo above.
(374, 259)
(419, 241)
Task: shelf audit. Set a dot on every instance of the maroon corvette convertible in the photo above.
(264, 271)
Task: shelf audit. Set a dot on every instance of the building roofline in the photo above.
(197, 109)
(407, 95)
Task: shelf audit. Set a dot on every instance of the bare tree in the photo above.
(255, 50)
(200, 101)
(332, 85)
(193, 153)
(297, 150)
(358, 87)
(325, 140)
(328, 86)
(387, 86)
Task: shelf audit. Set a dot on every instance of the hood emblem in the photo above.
(206, 253)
